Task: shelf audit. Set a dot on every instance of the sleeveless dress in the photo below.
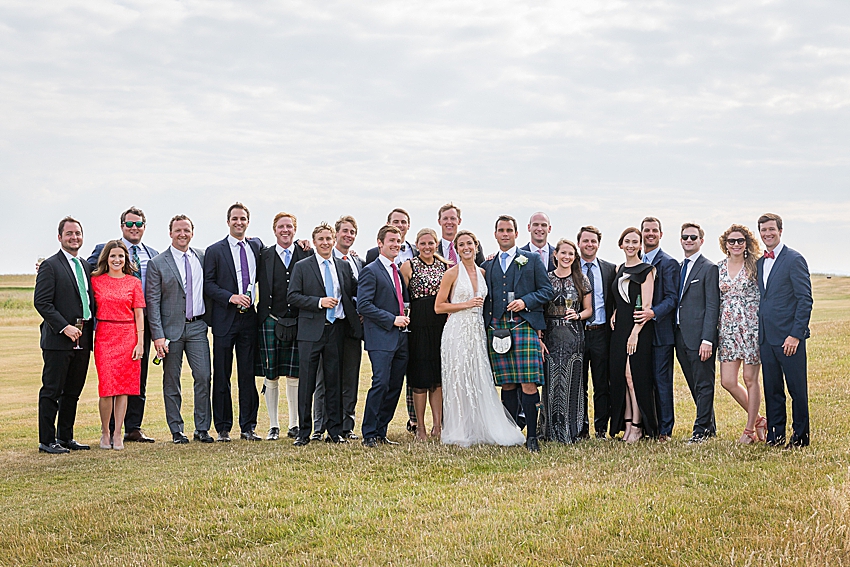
(115, 335)
(426, 326)
(472, 411)
(739, 317)
(626, 287)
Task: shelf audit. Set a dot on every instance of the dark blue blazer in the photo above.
(551, 264)
(786, 305)
(378, 304)
(220, 283)
(92, 260)
(529, 283)
(665, 297)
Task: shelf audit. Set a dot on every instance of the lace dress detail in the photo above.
(472, 411)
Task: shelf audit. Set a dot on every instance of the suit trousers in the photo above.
(700, 377)
(777, 371)
(597, 346)
(662, 368)
(327, 351)
(243, 339)
(62, 381)
(195, 344)
(136, 404)
(352, 354)
(388, 369)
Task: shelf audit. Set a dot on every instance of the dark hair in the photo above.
(693, 225)
(466, 233)
(402, 211)
(67, 220)
(575, 268)
(133, 211)
(446, 207)
(345, 218)
(767, 217)
(177, 218)
(103, 259)
(507, 218)
(238, 205)
(591, 229)
(323, 226)
(629, 230)
(382, 234)
(650, 219)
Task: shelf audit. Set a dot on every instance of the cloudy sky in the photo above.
(595, 111)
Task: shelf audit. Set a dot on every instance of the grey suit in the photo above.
(699, 310)
(166, 305)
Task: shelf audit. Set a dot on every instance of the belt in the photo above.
(328, 323)
(596, 327)
(193, 319)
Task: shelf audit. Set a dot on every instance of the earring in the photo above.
(746, 253)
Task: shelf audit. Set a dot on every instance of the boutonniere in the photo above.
(521, 260)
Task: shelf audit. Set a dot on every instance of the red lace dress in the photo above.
(115, 334)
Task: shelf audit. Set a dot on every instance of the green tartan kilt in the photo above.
(274, 357)
(523, 364)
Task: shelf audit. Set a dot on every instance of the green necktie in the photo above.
(137, 271)
(81, 287)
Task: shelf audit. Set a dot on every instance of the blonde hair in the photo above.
(752, 251)
(433, 234)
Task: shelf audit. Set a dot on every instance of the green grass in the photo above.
(597, 503)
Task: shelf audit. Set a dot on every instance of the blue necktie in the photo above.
(287, 257)
(329, 290)
(682, 277)
(505, 262)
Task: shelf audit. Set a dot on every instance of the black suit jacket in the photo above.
(57, 300)
(550, 265)
(479, 254)
(269, 288)
(609, 274)
(372, 253)
(306, 288)
(699, 307)
(220, 283)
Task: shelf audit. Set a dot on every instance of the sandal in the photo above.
(761, 429)
(748, 437)
(636, 430)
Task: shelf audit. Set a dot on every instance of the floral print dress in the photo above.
(739, 317)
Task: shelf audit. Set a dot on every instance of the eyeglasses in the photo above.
(693, 237)
(138, 223)
(736, 241)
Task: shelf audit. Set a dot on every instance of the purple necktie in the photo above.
(243, 265)
(190, 302)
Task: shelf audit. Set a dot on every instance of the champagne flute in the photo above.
(568, 305)
(79, 323)
(406, 314)
(511, 298)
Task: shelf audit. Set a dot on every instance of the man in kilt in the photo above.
(522, 275)
(277, 345)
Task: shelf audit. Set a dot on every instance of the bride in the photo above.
(472, 411)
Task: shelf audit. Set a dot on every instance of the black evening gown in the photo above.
(629, 279)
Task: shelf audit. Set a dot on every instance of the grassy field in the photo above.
(597, 503)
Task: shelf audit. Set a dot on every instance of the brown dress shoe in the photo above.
(138, 437)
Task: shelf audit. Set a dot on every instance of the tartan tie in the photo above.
(137, 265)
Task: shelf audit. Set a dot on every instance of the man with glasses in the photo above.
(133, 225)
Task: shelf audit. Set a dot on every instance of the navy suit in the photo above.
(231, 329)
(785, 310)
(386, 344)
(664, 304)
(550, 265)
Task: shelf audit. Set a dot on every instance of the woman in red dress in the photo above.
(118, 337)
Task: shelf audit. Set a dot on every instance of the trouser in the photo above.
(777, 371)
(597, 345)
(62, 379)
(662, 366)
(388, 368)
(136, 404)
(242, 338)
(327, 351)
(195, 344)
(700, 378)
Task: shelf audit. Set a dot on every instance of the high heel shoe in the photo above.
(748, 437)
(637, 433)
(761, 429)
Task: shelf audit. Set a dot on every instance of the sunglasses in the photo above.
(736, 241)
(138, 223)
(693, 237)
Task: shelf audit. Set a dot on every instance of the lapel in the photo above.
(776, 264)
(340, 273)
(382, 270)
(169, 259)
(760, 274)
(695, 271)
(314, 266)
(517, 271)
(68, 271)
(228, 261)
(268, 261)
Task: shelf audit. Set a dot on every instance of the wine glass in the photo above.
(406, 314)
(511, 298)
(560, 306)
(79, 323)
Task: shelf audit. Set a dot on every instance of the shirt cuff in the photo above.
(709, 343)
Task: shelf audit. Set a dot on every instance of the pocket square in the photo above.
(694, 281)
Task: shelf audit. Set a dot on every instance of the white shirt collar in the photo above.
(692, 259)
(280, 249)
(385, 261)
(129, 244)
(339, 254)
(233, 241)
(778, 249)
(179, 254)
(536, 250)
(67, 255)
(321, 260)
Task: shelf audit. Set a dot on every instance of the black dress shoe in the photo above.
(250, 436)
(274, 434)
(411, 427)
(350, 435)
(203, 437)
(601, 435)
(385, 441)
(179, 439)
(302, 441)
(223, 437)
(697, 439)
(317, 436)
(138, 437)
(335, 439)
(292, 433)
(370, 442)
(72, 445)
(794, 443)
(52, 448)
(532, 445)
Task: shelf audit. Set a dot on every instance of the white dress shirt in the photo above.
(142, 253)
(74, 267)
(768, 263)
(405, 253)
(198, 307)
(350, 260)
(546, 253)
(252, 264)
(339, 312)
(511, 256)
(691, 261)
(280, 252)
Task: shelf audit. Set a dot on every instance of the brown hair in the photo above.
(693, 225)
(67, 220)
(650, 219)
(575, 268)
(592, 229)
(767, 217)
(279, 216)
(446, 207)
(466, 233)
(382, 234)
(629, 230)
(103, 259)
(323, 226)
(133, 211)
(345, 218)
(402, 211)
(433, 234)
(751, 253)
(238, 205)
(507, 218)
(180, 217)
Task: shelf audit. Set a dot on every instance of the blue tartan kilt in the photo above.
(523, 364)
(275, 358)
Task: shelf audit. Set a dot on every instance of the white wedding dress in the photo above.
(472, 411)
